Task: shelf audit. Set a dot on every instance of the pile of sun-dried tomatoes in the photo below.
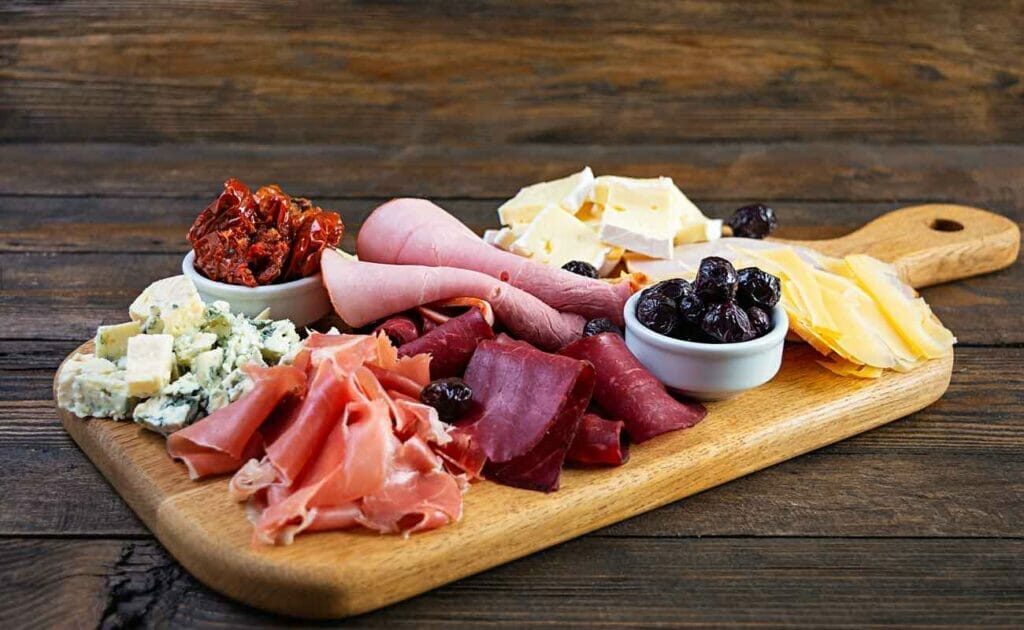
(262, 238)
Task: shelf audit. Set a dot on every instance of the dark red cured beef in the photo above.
(401, 329)
(452, 344)
(531, 403)
(626, 390)
(598, 441)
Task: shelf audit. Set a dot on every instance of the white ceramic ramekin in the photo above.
(303, 301)
(707, 371)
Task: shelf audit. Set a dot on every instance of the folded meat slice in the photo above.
(598, 441)
(531, 403)
(221, 441)
(626, 390)
(451, 344)
(418, 232)
(400, 329)
(363, 292)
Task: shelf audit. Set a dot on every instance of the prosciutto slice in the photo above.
(418, 232)
(531, 404)
(598, 442)
(451, 345)
(626, 390)
(362, 292)
(221, 441)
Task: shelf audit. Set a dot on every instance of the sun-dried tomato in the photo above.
(255, 239)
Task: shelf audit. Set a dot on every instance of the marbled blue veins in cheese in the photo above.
(112, 341)
(92, 386)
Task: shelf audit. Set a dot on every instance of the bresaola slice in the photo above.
(625, 389)
(452, 344)
(530, 406)
(400, 328)
(598, 442)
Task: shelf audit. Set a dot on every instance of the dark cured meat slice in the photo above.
(626, 390)
(401, 329)
(452, 344)
(598, 441)
(531, 404)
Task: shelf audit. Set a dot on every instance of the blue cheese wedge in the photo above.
(90, 386)
(568, 192)
(170, 306)
(233, 386)
(112, 341)
(276, 338)
(555, 237)
(175, 407)
(639, 215)
(150, 363)
(189, 345)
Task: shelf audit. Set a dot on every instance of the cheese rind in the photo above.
(639, 215)
(150, 361)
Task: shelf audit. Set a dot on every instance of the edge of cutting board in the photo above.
(337, 574)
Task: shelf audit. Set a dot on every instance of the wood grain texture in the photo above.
(486, 73)
(343, 573)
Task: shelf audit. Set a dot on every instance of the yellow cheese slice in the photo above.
(569, 192)
(845, 368)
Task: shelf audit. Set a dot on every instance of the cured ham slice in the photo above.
(451, 345)
(626, 390)
(221, 441)
(363, 292)
(531, 403)
(427, 235)
(598, 441)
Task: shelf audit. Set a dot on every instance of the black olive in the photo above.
(758, 288)
(600, 325)
(755, 221)
(580, 268)
(657, 312)
(675, 288)
(450, 396)
(716, 280)
(691, 309)
(760, 322)
(727, 323)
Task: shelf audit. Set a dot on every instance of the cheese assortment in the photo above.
(176, 361)
(598, 220)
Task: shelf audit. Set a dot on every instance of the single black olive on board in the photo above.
(580, 268)
(452, 398)
(600, 325)
(754, 221)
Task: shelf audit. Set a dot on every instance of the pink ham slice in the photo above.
(598, 442)
(451, 344)
(221, 441)
(363, 292)
(417, 232)
(626, 390)
(531, 403)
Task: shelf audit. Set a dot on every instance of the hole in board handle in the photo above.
(946, 225)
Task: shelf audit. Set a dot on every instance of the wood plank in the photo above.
(737, 171)
(591, 582)
(653, 71)
(941, 471)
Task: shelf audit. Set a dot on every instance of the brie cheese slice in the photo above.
(568, 192)
(555, 237)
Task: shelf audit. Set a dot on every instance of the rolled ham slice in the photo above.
(598, 442)
(223, 440)
(626, 390)
(531, 403)
(363, 292)
(452, 344)
(418, 232)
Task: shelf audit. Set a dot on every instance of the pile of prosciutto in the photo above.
(340, 438)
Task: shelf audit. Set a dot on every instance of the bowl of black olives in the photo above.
(712, 338)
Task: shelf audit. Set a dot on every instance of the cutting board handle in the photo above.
(933, 243)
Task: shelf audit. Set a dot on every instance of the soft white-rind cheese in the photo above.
(568, 192)
(555, 237)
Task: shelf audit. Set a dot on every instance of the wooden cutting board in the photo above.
(337, 574)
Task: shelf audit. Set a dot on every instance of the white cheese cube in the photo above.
(89, 386)
(206, 367)
(112, 341)
(569, 192)
(502, 238)
(638, 215)
(150, 359)
(170, 306)
(699, 232)
(555, 237)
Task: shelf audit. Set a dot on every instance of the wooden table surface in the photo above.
(119, 121)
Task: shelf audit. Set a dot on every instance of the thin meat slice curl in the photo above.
(223, 440)
(418, 232)
(363, 292)
(530, 406)
(400, 329)
(452, 344)
(626, 390)
(598, 442)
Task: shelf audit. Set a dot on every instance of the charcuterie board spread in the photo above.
(608, 349)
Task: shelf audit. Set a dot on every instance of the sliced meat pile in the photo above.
(418, 232)
(337, 440)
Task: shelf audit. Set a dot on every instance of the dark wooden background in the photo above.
(120, 120)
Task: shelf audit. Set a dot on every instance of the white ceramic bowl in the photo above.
(303, 301)
(707, 371)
